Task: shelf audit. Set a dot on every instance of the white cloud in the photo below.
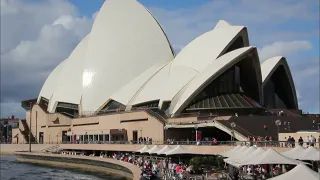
(299, 97)
(265, 19)
(35, 37)
(284, 48)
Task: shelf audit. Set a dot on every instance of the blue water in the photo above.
(10, 169)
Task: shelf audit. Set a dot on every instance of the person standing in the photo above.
(300, 141)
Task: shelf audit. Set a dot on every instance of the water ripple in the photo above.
(13, 170)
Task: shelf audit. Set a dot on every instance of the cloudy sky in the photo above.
(36, 35)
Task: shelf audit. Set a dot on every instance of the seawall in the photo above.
(208, 150)
(87, 163)
(8, 149)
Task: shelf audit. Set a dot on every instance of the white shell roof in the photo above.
(191, 60)
(269, 66)
(207, 47)
(50, 84)
(69, 84)
(211, 72)
(124, 34)
(133, 88)
(199, 53)
(128, 58)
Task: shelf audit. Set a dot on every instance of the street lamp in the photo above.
(102, 137)
(233, 125)
(278, 123)
(86, 135)
(196, 128)
(71, 140)
(165, 128)
(30, 127)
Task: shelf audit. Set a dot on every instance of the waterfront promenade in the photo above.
(98, 164)
(202, 149)
(11, 148)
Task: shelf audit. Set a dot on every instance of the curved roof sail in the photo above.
(69, 86)
(125, 41)
(213, 71)
(278, 66)
(49, 86)
(190, 61)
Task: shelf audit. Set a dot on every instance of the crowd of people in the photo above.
(260, 171)
(154, 167)
(145, 140)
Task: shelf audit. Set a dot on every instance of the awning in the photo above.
(250, 150)
(301, 171)
(164, 150)
(294, 153)
(237, 161)
(179, 150)
(236, 152)
(227, 153)
(311, 154)
(270, 157)
(154, 150)
(144, 149)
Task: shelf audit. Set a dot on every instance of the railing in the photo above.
(286, 112)
(238, 129)
(283, 144)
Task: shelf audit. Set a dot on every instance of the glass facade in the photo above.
(237, 87)
(277, 91)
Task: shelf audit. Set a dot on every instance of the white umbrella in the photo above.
(294, 153)
(310, 154)
(301, 171)
(178, 150)
(154, 150)
(270, 157)
(237, 152)
(144, 149)
(250, 150)
(237, 162)
(164, 150)
(227, 153)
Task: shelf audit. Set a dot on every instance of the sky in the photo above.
(36, 35)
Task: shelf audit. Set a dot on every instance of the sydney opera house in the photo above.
(124, 81)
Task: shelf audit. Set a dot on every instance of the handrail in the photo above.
(245, 130)
(202, 143)
(281, 144)
(239, 127)
(221, 124)
(286, 112)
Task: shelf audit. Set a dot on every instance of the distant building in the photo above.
(6, 125)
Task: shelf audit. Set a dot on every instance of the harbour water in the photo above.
(10, 169)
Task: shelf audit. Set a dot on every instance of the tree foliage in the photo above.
(206, 162)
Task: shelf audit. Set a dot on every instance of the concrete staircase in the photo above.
(24, 129)
(52, 149)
